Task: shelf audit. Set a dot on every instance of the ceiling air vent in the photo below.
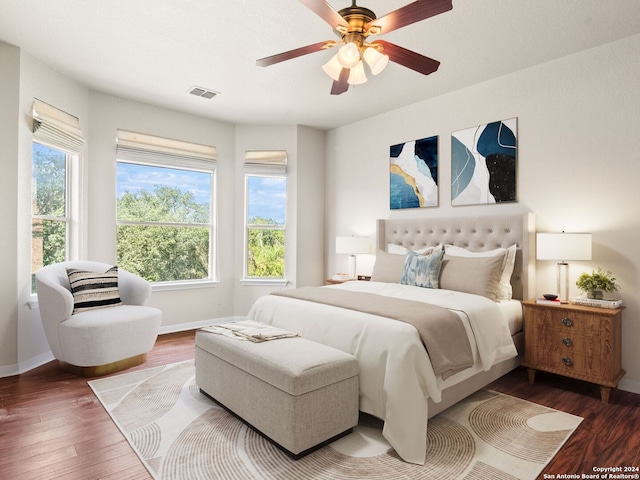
(202, 92)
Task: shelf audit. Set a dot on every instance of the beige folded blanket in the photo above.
(440, 329)
(249, 330)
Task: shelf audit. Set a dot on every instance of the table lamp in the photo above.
(562, 247)
(352, 246)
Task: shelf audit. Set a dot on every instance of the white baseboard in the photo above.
(22, 367)
(36, 362)
(8, 370)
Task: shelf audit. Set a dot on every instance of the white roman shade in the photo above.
(265, 161)
(51, 125)
(151, 150)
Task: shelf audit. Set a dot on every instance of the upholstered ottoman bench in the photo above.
(298, 393)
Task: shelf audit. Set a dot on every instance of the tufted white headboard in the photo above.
(475, 233)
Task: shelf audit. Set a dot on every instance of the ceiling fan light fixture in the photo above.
(349, 55)
(354, 25)
(357, 75)
(333, 68)
(377, 61)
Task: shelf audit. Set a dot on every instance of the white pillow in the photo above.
(400, 250)
(505, 291)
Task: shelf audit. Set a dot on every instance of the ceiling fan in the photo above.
(353, 25)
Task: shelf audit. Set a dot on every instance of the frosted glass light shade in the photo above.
(563, 246)
(376, 60)
(349, 55)
(357, 75)
(333, 68)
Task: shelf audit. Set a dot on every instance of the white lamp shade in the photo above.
(357, 75)
(349, 55)
(376, 60)
(333, 68)
(352, 245)
(563, 246)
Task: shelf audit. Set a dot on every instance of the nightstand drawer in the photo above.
(565, 358)
(563, 321)
(581, 365)
(565, 341)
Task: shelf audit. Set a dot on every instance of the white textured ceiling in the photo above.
(155, 50)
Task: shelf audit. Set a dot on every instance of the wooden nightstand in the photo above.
(575, 341)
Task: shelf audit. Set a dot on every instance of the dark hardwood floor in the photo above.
(52, 426)
(609, 435)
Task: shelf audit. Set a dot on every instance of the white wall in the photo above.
(22, 77)
(310, 207)
(255, 137)
(578, 163)
(9, 115)
(304, 261)
(38, 80)
(109, 113)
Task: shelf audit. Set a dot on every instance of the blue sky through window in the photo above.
(267, 197)
(134, 178)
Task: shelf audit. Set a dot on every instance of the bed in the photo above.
(398, 379)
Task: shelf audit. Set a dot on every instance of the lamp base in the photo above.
(352, 267)
(563, 281)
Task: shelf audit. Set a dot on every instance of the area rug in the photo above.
(179, 433)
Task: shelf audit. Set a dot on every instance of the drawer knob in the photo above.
(567, 361)
(567, 322)
(567, 342)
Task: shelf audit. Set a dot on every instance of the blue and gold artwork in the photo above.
(483, 164)
(413, 174)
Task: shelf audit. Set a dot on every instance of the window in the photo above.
(49, 207)
(56, 147)
(266, 195)
(165, 208)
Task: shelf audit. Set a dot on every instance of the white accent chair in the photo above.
(100, 341)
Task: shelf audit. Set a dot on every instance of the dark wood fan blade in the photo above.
(298, 52)
(326, 12)
(409, 59)
(341, 85)
(412, 13)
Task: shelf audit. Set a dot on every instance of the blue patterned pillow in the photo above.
(422, 270)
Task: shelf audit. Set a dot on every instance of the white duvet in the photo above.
(395, 377)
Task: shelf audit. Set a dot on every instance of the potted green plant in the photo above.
(597, 283)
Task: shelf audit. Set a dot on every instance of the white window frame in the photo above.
(147, 150)
(262, 164)
(71, 230)
(61, 131)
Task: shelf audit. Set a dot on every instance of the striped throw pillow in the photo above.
(92, 290)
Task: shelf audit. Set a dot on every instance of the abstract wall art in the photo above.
(483, 164)
(413, 174)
